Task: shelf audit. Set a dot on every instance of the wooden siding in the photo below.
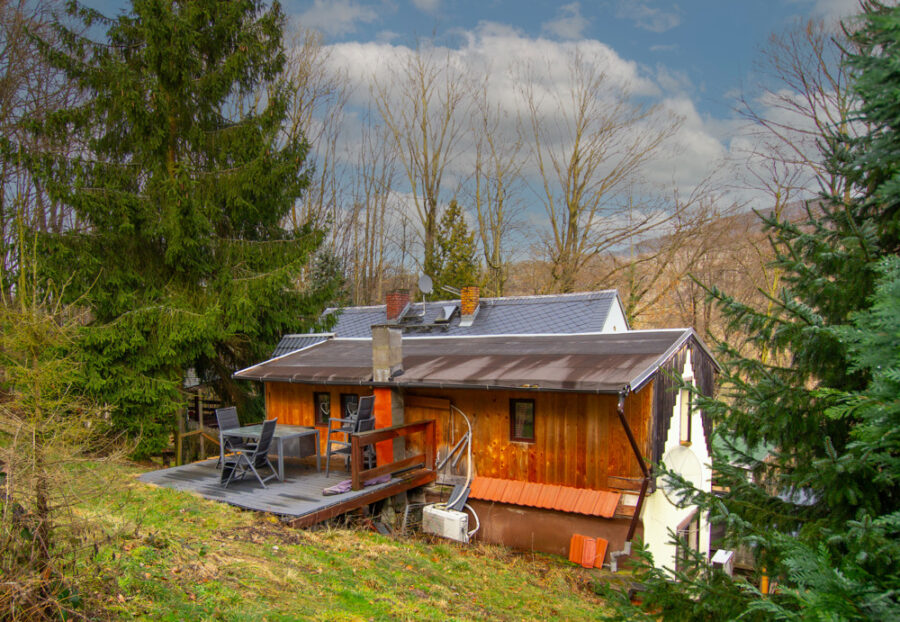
(579, 440)
(667, 380)
(293, 403)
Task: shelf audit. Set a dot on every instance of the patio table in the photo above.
(282, 433)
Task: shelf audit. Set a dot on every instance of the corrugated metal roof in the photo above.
(584, 312)
(605, 363)
(292, 343)
(550, 497)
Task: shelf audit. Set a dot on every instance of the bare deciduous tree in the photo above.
(29, 88)
(372, 214)
(589, 139)
(423, 106)
(319, 98)
(495, 184)
(806, 95)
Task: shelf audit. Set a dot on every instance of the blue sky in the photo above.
(710, 43)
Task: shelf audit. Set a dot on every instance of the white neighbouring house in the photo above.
(686, 452)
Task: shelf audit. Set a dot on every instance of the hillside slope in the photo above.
(173, 556)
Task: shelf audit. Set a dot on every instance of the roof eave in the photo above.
(415, 384)
(642, 378)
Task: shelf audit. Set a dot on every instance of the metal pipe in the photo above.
(620, 410)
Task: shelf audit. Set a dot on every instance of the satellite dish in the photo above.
(425, 284)
(685, 463)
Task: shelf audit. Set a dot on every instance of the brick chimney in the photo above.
(397, 301)
(468, 304)
(387, 352)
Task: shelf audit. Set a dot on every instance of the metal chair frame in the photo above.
(251, 460)
(362, 420)
(227, 419)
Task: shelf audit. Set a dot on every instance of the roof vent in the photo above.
(446, 314)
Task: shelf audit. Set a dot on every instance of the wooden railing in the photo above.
(202, 410)
(358, 441)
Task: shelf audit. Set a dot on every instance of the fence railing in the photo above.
(203, 412)
(358, 475)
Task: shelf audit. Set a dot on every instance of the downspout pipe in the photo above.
(645, 470)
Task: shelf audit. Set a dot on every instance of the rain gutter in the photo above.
(423, 385)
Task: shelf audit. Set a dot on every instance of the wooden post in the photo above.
(179, 436)
(430, 442)
(200, 422)
(356, 463)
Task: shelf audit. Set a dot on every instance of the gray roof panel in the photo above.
(513, 315)
(292, 343)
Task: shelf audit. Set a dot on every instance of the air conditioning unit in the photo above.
(446, 523)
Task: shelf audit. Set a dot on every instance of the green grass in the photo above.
(174, 556)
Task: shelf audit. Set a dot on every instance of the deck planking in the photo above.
(298, 499)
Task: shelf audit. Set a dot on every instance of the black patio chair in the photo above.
(252, 459)
(227, 419)
(363, 420)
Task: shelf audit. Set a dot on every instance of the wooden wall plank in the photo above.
(579, 440)
(293, 403)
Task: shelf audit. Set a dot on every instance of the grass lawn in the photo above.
(168, 555)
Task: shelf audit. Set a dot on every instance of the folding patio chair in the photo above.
(252, 459)
(363, 420)
(227, 419)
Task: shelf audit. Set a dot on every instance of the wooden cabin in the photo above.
(565, 427)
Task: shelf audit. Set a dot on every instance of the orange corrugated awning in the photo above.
(547, 496)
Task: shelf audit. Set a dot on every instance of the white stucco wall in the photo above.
(658, 514)
(615, 319)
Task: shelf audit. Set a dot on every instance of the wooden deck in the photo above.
(298, 499)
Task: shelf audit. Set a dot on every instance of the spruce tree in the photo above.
(455, 260)
(808, 438)
(182, 184)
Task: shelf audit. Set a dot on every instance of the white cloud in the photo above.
(692, 154)
(386, 36)
(664, 48)
(672, 81)
(337, 17)
(647, 17)
(833, 10)
(568, 24)
(429, 6)
(697, 148)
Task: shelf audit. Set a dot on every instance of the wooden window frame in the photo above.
(513, 402)
(689, 530)
(317, 416)
(686, 413)
(345, 398)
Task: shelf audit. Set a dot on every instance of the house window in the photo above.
(686, 399)
(688, 533)
(521, 420)
(322, 402)
(349, 404)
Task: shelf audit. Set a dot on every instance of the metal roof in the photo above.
(548, 496)
(597, 363)
(584, 312)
